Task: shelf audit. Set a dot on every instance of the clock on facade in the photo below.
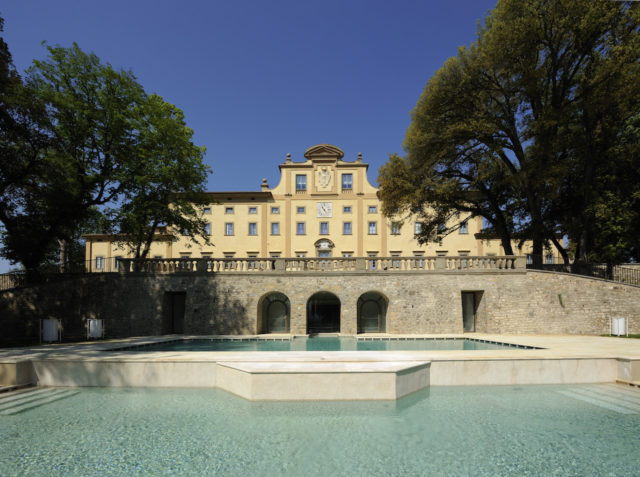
(324, 209)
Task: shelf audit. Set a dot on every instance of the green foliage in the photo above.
(91, 141)
(23, 137)
(170, 185)
(519, 127)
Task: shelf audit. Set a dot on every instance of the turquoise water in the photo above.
(322, 344)
(479, 431)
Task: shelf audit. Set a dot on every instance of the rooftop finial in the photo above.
(264, 184)
(359, 157)
(288, 157)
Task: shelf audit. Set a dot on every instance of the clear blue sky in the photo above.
(259, 79)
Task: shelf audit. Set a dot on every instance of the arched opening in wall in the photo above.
(372, 313)
(275, 311)
(323, 313)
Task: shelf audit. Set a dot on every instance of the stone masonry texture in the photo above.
(229, 303)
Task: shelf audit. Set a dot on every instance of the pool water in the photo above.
(479, 431)
(323, 344)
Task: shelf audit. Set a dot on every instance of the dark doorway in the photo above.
(323, 313)
(275, 313)
(470, 302)
(372, 313)
(173, 320)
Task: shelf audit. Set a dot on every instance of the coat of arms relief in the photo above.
(323, 178)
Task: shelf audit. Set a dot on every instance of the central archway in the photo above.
(323, 313)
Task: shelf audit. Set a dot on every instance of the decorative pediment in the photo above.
(324, 244)
(324, 151)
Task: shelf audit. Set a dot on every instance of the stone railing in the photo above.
(333, 264)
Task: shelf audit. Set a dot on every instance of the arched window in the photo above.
(372, 313)
(275, 311)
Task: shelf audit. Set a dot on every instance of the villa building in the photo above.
(323, 206)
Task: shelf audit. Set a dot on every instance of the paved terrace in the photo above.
(564, 359)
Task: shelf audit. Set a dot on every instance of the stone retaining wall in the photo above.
(512, 302)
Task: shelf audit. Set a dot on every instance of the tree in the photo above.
(504, 119)
(23, 137)
(171, 186)
(108, 144)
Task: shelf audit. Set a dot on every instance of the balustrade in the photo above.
(329, 264)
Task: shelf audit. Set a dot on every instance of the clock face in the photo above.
(324, 209)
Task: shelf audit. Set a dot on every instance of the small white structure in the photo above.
(619, 326)
(95, 328)
(50, 330)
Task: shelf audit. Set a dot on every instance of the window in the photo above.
(206, 210)
(373, 209)
(548, 259)
(273, 262)
(253, 228)
(185, 232)
(395, 228)
(99, 262)
(228, 210)
(418, 229)
(463, 228)
(228, 228)
(275, 228)
(395, 263)
(347, 181)
(300, 210)
(157, 256)
(252, 264)
(441, 228)
(419, 261)
(373, 228)
(300, 228)
(228, 264)
(301, 254)
(324, 228)
(207, 229)
(346, 209)
(301, 182)
(185, 256)
(275, 210)
(441, 253)
(346, 228)
(253, 210)
(347, 254)
(373, 261)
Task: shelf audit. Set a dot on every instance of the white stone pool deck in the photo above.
(564, 359)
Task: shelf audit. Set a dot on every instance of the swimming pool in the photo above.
(480, 431)
(341, 343)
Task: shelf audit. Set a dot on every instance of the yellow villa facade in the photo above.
(323, 206)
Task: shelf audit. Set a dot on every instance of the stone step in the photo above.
(597, 402)
(22, 394)
(46, 399)
(322, 381)
(28, 397)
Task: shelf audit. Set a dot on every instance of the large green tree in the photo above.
(510, 128)
(109, 144)
(23, 137)
(169, 191)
